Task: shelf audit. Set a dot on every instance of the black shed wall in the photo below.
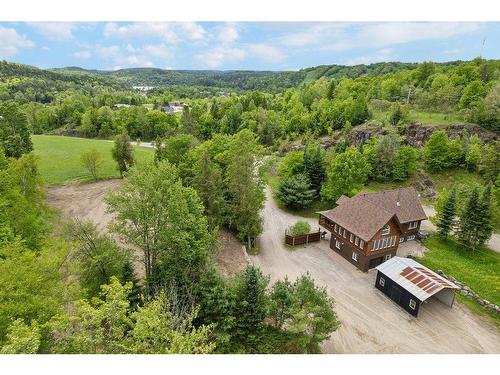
(396, 292)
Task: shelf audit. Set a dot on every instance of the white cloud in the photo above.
(345, 36)
(11, 42)
(217, 56)
(161, 51)
(81, 55)
(228, 33)
(168, 32)
(385, 54)
(108, 52)
(56, 31)
(266, 52)
(393, 33)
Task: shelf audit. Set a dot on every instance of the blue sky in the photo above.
(242, 45)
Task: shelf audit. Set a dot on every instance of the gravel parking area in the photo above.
(371, 323)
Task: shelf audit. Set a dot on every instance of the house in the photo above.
(120, 105)
(409, 284)
(174, 107)
(368, 228)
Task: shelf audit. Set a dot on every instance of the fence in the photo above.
(301, 239)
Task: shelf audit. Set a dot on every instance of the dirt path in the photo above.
(428, 226)
(371, 323)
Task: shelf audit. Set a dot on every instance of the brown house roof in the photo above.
(366, 213)
(409, 208)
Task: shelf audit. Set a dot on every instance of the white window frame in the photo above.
(388, 256)
(344, 234)
(413, 224)
(337, 244)
(381, 281)
(375, 245)
(384, 243)
(361, 243)
(336, 228)
(386, 230)
(356, 240)
(413, 304)
(351, 238)
(355, 256)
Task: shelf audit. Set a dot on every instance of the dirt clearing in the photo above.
(86, 202)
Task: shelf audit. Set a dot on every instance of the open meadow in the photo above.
(59, 158)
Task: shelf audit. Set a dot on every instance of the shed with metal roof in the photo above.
(409, 284)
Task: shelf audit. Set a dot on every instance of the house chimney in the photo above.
(398, 200)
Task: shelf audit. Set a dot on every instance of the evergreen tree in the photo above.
(470, 221)
(447, 216)
(208, 183)
(314, 169)
(485, 229)
(250, 306)
(295, 192)
(128, 275)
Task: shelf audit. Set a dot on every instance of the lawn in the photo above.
(480, 270)
(59, 158)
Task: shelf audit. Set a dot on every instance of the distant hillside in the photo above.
(271, 81)
(41, 85)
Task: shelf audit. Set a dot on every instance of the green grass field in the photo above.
(59, 158)
(480, 270)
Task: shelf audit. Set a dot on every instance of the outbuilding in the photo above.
(409, 284)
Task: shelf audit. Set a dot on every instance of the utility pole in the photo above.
(408, 97)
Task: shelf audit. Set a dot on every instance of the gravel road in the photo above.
(371, 323)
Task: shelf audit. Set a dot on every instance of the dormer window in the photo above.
(386, 230)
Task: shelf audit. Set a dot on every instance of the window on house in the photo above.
(355, 256)
(410, 238)
(336, 228)
(337, 244)
(344, 234)
(384, 243)
(361, 243)
(381, 281)
(386, 230)
(413, 225)
(356, 241)
(413, 304)
(351, 238)
(388, 256)
(375, 245)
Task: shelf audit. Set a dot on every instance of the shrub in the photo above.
(91, 160)
(300, 227)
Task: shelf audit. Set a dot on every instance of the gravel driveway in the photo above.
(371, 323)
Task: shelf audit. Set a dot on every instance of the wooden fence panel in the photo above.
(302, 238)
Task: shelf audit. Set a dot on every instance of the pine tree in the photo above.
(447, 217)
(314, 168)
(470, 221)
(209, 185)
(295, 192)
(485, 228)
(250, 305)
(128, 275)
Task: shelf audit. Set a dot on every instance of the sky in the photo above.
(242, 45)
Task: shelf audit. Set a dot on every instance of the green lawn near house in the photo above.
(59, 158)
(480, 270)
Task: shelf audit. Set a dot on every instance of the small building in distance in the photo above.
(143, 88)
(409, 284)
(120, 105)
(368, 228)
(174, 107)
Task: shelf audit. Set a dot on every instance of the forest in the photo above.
(291, 130)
